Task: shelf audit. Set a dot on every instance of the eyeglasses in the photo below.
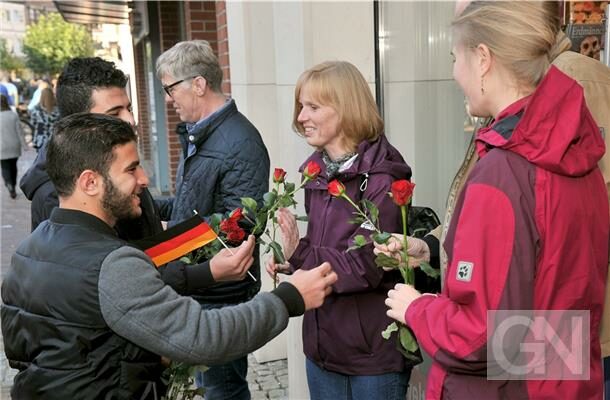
(169, 89)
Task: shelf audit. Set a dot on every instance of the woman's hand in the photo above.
(290, 231)
(399, 299)
(273, 269)
(417, 249)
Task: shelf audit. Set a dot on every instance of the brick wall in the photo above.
(170, 33)
(207, 20)
(223, 44)
(143, 108)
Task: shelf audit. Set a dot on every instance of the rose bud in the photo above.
(236, 214)
(402, 191)
(278, 175)
(336, 188)
(311, 171)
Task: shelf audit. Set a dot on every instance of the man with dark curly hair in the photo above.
(97, 86)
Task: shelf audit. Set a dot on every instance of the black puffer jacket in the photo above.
(54, 331)
(230, 162)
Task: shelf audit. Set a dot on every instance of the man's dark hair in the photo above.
(80, 77)
(84, 141)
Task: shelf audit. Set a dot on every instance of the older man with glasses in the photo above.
(226, 160)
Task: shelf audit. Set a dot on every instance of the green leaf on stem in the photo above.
(215, 220)
(360, 240)
(407, 340)
(289, 187)
(285, 201)
(249, 204)
(186, 260)
(269, 199)
(357, 220)
(381, 238)
(278, 255)
(428, 270)
(382, 260)
(372, 209)
(393, 327)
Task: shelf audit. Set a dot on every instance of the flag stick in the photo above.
(230, 251)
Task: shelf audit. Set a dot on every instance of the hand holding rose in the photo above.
(417, 249)
(233, 267)
(399, 299)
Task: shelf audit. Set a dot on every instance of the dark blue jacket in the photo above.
(230, 162)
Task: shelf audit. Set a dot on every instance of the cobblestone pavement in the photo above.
(267, 380)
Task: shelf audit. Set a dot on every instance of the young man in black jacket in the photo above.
(101, 316)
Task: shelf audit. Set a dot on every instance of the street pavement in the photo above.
(266, 380)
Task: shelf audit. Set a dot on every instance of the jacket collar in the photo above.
(74, 217)
(200, 131)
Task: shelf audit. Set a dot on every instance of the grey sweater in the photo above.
(156, 318)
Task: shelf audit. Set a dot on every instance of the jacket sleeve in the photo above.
(356, 269)
(137, 305)
(187, 279)
(453, 326)
(165, 207)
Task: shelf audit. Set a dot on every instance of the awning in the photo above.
(94, 12)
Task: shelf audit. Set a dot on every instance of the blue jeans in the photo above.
(227, 381)
(324, 385)
(607, 377)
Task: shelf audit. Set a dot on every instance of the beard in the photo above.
(117, 204)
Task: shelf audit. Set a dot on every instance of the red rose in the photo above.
(311, 171)
(278, 175)
(229, 225)
(236, 214)
(236, 236)
(402, 191)
(336, 188)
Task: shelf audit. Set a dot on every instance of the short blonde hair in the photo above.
(340, 85)
(523, 35)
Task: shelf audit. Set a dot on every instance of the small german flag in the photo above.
(177, 241)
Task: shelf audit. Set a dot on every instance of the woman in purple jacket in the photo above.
(347, 358)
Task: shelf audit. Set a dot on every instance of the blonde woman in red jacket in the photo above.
(530, 229)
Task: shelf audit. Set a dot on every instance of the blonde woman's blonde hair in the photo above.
(339, 84)
(47, 99)
(524, 36)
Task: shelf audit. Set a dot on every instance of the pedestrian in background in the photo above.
(43, 117)
(11, 142)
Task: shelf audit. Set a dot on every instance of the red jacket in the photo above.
(533, 225)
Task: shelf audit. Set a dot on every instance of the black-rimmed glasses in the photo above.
(168, 88)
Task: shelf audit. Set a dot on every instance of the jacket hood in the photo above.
(553, 128)
(374, 157)
(36, 176)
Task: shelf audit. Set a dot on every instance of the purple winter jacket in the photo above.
(344, 335)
